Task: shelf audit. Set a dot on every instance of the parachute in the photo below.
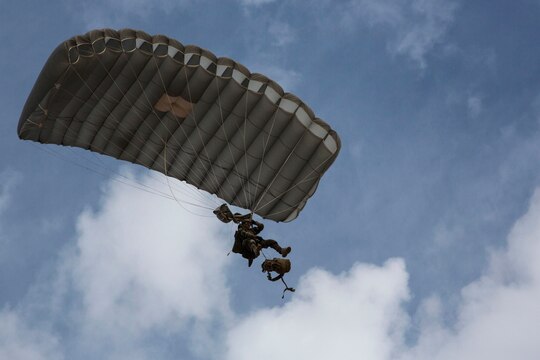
(184, 112)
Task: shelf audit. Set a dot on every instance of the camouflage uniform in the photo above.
(249, 244)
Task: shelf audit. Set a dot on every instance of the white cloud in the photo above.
(281, 32)
(427, 27)
(21, 341)
(414, 26)
(142, 269)
(389, 12)
(8, 179)
(353, 315)
(287, 79)
(499, 315)
(474, 105)
(266, 57)
(140, 254)
(360, 314)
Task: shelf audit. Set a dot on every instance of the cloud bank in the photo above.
(19, 341)
(140, 266)
(499, 312)
(360, 314)
(353, 315)
(414, 27)
(140, 255)
(145, 280)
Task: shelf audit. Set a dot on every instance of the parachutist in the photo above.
(249, 244)
(247, 241)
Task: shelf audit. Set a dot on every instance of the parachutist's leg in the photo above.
(274, 245)
(254, 250)
(250, 250)
(270, 243)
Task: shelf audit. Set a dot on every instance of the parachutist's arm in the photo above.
(238, 218)
(258, 227)
(274, 278)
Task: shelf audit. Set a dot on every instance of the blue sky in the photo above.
(422, 241)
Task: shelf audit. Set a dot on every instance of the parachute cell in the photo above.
(184, 112)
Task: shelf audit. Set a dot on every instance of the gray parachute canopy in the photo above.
(184, 112)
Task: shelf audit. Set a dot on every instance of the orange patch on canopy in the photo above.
(179, 106)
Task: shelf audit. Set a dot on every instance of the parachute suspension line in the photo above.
(151, 108)
(200, 158)
(107, 109)
(227, 139)
(108, 172)
(86, 123)
(201, 176)
(302, 181)
(246, 154)
(110, 112)
(112, 172)
(34, 123)
(144, 153)
(216, 180)
(119, 122)
(172, 192)
(212, 170)
(99, 162)
(231, 234)
(67, 159)
(264, 151)
(279, 170)
(195, 193)
(133, 133)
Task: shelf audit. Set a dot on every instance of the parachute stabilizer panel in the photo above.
(184, 112)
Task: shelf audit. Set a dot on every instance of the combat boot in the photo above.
(285, 251)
